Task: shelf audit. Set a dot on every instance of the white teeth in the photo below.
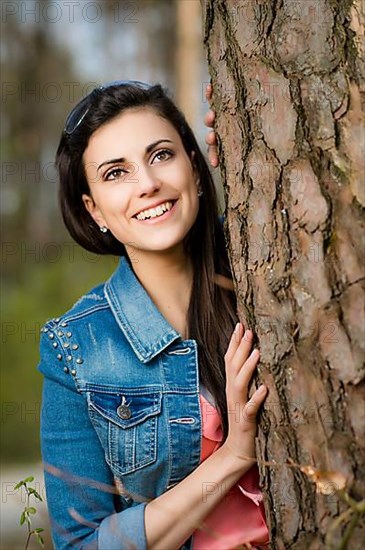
(154, 212)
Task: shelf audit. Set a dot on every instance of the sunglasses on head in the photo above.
(80, 110)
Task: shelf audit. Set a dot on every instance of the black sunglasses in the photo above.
(80, 110)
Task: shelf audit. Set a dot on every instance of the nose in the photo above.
(148, 182)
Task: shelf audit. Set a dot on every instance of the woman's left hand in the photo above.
(210, 138)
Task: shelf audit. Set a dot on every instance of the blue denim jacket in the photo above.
(120, 409)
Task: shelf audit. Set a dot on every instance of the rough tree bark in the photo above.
(288, 78)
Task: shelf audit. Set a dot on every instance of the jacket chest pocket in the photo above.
(126, 422)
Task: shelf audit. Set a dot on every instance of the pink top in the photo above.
(239, 517)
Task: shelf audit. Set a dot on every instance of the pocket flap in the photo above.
(127, 408)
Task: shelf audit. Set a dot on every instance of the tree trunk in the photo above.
(288, 78)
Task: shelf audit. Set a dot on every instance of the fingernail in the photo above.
(237, 327)
(262, 389)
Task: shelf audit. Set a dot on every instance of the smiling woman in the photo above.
(125, 192)
(147, 431)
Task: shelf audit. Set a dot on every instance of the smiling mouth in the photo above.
(157, 212)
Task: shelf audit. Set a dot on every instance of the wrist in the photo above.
(234, 461)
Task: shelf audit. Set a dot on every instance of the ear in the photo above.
(93, 210)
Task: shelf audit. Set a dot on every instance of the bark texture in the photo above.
(288, 82)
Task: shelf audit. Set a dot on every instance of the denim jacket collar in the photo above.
(145, 328)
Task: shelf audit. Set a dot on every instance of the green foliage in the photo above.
(30, 510)
(31, 294)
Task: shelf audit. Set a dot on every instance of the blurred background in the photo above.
(52, 54)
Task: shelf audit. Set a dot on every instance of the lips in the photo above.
(158, 219)
(154, 206)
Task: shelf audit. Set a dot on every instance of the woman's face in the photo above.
(134, 163)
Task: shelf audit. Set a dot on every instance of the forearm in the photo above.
(171, 518)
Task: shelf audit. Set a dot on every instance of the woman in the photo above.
(147, 435)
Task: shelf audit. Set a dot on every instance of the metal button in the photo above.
(123, 411)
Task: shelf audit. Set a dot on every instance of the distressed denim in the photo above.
(121, 421)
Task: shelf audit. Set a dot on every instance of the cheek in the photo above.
(111, 201)
(193, 206)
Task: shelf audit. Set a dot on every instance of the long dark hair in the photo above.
(212, 312)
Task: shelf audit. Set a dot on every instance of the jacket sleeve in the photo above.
(79, 484)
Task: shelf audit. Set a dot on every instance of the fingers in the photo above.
(240, 363)
(213, 157)
(245, 372)
(253, 405)
(211, 141)
(208, 92)
(233, 343)
(209, 118)
(210, 138)
(242, 351)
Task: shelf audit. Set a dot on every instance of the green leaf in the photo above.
(29, 479)
(32, 491)
(19, 485)
(38, 530)
(22, 518)
(31, 510)
(40, 540)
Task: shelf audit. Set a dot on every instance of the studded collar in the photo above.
(146, 329)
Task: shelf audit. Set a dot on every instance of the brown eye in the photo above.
(114, 174)
(165, 153)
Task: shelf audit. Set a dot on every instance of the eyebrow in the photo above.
(122, 159)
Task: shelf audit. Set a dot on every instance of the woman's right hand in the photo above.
(240, 365)
(211, 138)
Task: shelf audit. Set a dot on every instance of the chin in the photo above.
(162, 245)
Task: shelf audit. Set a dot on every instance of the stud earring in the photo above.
(200, 193)
(103, 229)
